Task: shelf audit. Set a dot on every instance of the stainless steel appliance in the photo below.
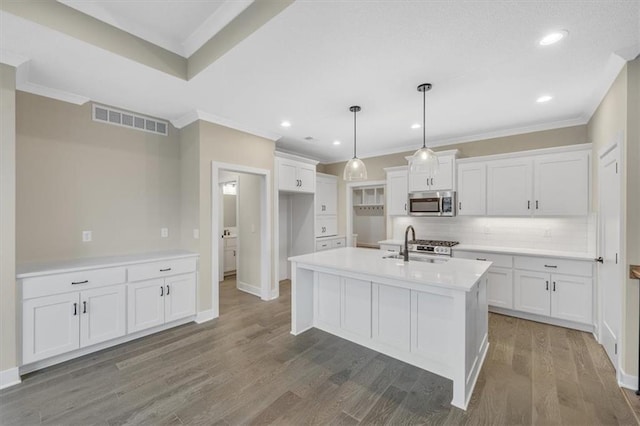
(435, 203)
(433, 247)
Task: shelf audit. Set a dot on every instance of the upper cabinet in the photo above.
(472, 189)
(295, 174)
(443, 180)
(326, 194)
(552, 182)
(397, 191)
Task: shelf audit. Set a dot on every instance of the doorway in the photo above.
(253, 230)
(366, 218)
(609, 249)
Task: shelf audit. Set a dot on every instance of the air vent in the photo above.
(126, 119)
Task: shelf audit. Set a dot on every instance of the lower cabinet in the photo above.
(53, 325)
(161, 300)
(500, 287)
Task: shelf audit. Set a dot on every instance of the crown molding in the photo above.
(612, 69)
(192, 116)
(12, 59)
(23, 84)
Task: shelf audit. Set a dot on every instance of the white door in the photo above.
(145, 305)
(288, 176)
(102, 314)
(50, 326)
(500, 287)
(325, 197)
(443, 179)
(571, 298)
(531, 292)
(609, 277)
(180, 297)
(307, 178)
(509, 187)
(561, 184)
(472, 189)
(397, 193)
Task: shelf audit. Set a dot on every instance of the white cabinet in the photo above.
(330, 243)
(532, 292)
(230, 254)
(161, 300)
(326, 226)
(102, 314)
(540, 185)
(392, 316)
(397, 191)
(443, 180)
(356, 307)
(326, 194)
(571, 298)
(500, 287)
(296, 176)
(472, 189)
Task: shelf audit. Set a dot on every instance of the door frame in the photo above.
(619, 145)
(349, 204)
(216, 231)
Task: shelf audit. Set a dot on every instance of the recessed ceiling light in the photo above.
(285, 124)
(337, 142)
(415, 126)
(544, 98)
(553, 37)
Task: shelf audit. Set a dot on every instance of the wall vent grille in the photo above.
(120, 118)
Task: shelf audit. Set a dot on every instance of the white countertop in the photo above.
(28, 270)
(457, 274)
(526, 252)
(392, 242)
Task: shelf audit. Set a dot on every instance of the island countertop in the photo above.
(454, 273)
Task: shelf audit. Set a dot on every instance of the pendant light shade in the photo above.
(355, 168)
(424, 159)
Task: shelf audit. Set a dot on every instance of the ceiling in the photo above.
(312, 61)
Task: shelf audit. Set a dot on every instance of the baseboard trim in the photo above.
(9, 377)
(627, 380)
(543, 319)
(248, 288)
(205, 316)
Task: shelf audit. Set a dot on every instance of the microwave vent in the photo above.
(130, 120)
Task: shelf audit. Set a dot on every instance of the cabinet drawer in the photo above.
(230, 242)
(72, 281)
(390, 247)
(499, 260)
(323, 245)
(338, 242)
(161, 269)
(557, 266)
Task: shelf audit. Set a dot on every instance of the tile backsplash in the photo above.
(576, 234)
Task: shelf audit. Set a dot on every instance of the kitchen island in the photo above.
(431, 314)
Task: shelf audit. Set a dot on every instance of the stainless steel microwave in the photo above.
(435, 203)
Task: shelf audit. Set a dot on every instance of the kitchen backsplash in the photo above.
(576, 234)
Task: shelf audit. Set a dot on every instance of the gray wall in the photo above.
(249, 229)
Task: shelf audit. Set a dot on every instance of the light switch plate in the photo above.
(164, 232)
(86, 236)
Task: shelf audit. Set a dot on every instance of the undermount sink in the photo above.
(417, 258)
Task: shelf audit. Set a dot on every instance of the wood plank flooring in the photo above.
(246, 368)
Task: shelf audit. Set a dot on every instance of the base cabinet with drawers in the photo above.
(330, 243)
(67, 311)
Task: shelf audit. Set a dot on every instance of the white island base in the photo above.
(433, 316)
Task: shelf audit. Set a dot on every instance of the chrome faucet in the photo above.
(405, 254)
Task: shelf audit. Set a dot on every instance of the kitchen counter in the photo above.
(526, 252)
(431, 315)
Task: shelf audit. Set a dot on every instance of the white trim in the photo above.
(23, 84)
(349, 204)
(9, 377)
(266, 203)
(185, 120)
(204, 316)
(612, 69)
(275, 293)
(542, 318)
(295, 157)
(627, 380)
(192, 116)
(12, 59)
(248, 288)
(528, 153)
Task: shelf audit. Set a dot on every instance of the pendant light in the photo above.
(424, 159)
(355, 168)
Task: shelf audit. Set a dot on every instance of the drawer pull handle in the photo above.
(161, 290)
(75, 309)
(79, 282)
(554, 286)
(479, 258)
(167, 289)
(165, 270)
(547, 287)
(550, 266)
(84, 307)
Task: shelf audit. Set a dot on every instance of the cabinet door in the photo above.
(572, 298)
(509, 187)
(419, 181)
(180, 297)
(229, 259)
(443, 179)
(326, 226)
(397, 194)
(145, 304)
(392, 316)
(500, 287)
(307, 177)
(51, 326)
(326, 197)
(356, 307)
(531, 291)
(287, 176)
(472, 189)
(562, 184)
(102, 314)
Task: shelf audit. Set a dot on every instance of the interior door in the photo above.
(609, 278)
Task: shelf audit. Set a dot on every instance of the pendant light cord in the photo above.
(424, 119)
(354, 132)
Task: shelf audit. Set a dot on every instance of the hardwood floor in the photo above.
(246, 368)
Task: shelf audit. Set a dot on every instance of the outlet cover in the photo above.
(196, 234)
(86, 236)
(164, 232)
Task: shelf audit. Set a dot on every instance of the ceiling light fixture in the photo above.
(337, 142)
(544, 98)
(355, 168)
(285, 124)
(424, 159)
(553, 37)
(416, 126)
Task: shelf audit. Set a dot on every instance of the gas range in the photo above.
(442, 248)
